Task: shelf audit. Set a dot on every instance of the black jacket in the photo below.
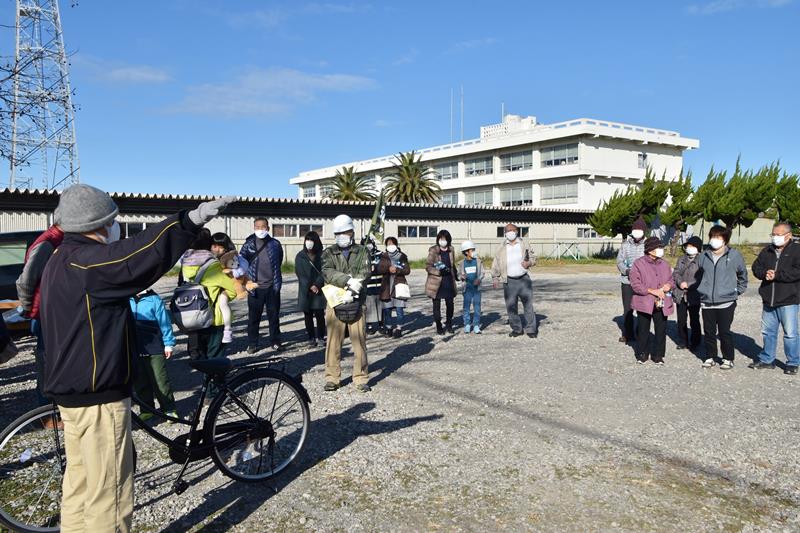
(785, 288)
(88, 328)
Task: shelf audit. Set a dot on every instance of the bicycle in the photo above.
(245, 442)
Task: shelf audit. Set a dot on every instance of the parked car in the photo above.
(12, 257)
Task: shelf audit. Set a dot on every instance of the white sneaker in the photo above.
(708, 363)
(467, 328)
(227, 336)
(726, 365)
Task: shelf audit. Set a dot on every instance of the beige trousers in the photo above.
(333, 350)
(98, 484)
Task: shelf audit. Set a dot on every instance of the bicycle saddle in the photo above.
(213, 367)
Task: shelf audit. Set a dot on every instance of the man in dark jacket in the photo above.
(778, 268)
(90, 342)
(264, 255)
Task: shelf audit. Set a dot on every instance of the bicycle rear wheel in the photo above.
(259, 432)
(32, 463)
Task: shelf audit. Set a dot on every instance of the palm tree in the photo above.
(411, 181)
(347, 185)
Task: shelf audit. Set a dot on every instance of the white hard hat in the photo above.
(343, 223)
(467, 245)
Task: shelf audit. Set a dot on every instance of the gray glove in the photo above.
(208, 210)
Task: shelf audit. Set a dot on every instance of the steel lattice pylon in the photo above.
(44, 151)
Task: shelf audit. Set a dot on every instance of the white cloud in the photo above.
(722, 6)
(407, 58)
(117, 72)
(263, 92)
(462, 46)
(273, 17)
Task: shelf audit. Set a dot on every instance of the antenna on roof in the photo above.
(502, 111)
(451, 115)
(462, 112)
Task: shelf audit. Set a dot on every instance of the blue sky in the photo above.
(236, 97)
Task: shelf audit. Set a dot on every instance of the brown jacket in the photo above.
(434, 280)
(499, 266)
(386, 293)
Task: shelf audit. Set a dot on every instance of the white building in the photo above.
(519, 162)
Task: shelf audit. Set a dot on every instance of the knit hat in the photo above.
(651, 244)
(82, 208)
(640, 224)
(695, 241)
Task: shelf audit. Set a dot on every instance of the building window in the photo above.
(478, 197)
(478, 167)
(587, 233)
(446, 171)
(295, 230)
(516, 197)
(450, 198)
(516, 161)
(305, 228)
(555, 156)
(325, 190)
(13, 253)
(309, 191)
(417, 232)
(129, 229)
(523, 231)
(642, 160)
(560, 192)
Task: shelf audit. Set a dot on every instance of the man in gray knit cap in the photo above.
(90, 342)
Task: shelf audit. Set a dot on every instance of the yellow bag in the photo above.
(334, 295)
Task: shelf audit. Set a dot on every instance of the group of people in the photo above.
(708, 281)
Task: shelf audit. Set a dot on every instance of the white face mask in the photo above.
(511, 236)
(391, 248)
(659, 252)
(309, 245)
(113, 233)
(637, 234)
(261, 233)
(716, 243)
(443, 243)
(691, 251)
(344, 240)
(778, 240)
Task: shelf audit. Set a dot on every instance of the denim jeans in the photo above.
(771, 318)
(395, 320)
(472, 297)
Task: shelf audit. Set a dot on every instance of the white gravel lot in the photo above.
(489, 433)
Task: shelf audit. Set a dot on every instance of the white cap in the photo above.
(343, 223)
(467, 245)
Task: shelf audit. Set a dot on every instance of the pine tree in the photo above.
(787, 199)
(616, 216)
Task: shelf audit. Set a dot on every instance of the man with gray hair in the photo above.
(778, 268)
(512, 263)
(90, 344)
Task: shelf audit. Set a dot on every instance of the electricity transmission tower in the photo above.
(43, 150)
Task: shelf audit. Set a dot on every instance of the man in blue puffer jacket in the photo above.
(264, 254)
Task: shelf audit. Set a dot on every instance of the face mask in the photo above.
(659, 252)
(391, 248)
(691, 251)
(511, 236)
(637, 234)
(343, 241)
(778, 240)
(309, 245)
(443, 243)
(261, 233)
(716, 243)
(113, 233)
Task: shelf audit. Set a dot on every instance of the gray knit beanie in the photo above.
(83, 208)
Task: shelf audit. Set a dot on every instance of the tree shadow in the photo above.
(329, 436)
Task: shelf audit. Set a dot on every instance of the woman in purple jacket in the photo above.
(651, 281)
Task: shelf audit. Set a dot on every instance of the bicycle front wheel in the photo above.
(32, 464)
(260, 427)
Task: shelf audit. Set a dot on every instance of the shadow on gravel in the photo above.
(234, 502)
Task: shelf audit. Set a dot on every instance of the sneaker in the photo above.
(708, 363)
(371, 330)
(790, 370)
(397, 333)
(387, 332)
(227, 336)
(331, 386)
(641, 359)
(758, 365)
(726, 365)
(277, 347)
(313, 343)
(363, 388)
(450, 330)
(467, 328)
(252, 349)
(476, 330)
(515, 334)
(439, 328)
(533, 335)
(658, 362)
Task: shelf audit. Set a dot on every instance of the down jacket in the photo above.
(251, 253)
(434, 280)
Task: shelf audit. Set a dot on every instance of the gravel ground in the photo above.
(489, 433)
